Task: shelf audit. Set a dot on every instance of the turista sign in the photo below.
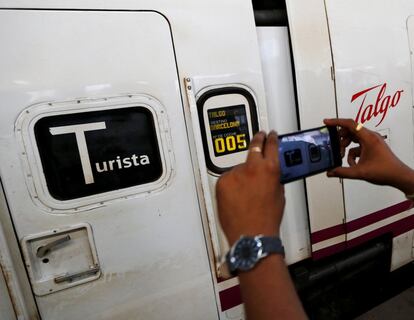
(375, 102)
(88, 153)
(79, 132)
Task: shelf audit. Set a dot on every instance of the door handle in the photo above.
(44, 250)
(71, 276)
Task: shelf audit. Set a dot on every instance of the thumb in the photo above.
(344, 172)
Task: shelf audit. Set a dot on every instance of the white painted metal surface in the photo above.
(12, 267)
(362, 62)
(402, 250)
(149, 248)
(371, 45)
(160, 254)
(281, 106)
(218, 238)
(316, 99)
(6, 307)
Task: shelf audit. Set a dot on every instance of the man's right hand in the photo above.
(372, 160)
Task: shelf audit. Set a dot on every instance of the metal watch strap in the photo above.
(272, 245)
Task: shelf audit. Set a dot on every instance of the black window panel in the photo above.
(130, 134)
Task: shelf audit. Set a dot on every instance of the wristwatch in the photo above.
(247, 251)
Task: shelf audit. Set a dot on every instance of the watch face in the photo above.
(246, 253)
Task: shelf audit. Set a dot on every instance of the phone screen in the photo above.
(305, 153)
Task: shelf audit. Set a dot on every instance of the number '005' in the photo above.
(230, 143)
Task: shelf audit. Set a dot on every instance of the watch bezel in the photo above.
(243, 264)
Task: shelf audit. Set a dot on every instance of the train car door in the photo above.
(95, 164)
(6, 307)
(374, 87)
(316, 101)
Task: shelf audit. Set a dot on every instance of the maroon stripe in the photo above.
(378, 216)
(326, 252)
(230, 298)
(362, 222)
(328, 233)
(396, 228)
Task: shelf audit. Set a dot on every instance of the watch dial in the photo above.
(246, 253)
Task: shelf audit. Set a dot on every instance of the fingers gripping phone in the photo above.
(308, 152)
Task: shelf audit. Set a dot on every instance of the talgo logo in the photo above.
(378, 108)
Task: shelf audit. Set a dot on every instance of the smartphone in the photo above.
(308, 152)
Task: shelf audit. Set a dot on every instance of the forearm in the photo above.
(268, 291)
(405, 180)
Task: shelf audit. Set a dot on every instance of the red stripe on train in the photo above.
(360, 223)
(328, 233)
(378, 216)
(396, 228)
(230, 298)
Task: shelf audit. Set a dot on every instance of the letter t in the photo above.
(79, 131)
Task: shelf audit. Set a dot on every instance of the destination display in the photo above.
(228, 120)
(229, 129)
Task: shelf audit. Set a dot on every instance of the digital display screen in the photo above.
(229, 129)
(304, 153)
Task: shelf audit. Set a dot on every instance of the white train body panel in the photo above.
(153, 248)
(150, 247)
(372, 51)
(316, 101)
(277, 74)
(359, 55)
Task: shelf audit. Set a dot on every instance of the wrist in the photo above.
(406, 182)
(234, 235)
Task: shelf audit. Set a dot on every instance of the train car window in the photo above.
(89, 153)
(228, 121)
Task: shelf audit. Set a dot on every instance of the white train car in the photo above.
(118, 117)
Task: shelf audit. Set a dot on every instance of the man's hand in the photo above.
(250, 202)
(250, 197)
(372, 160)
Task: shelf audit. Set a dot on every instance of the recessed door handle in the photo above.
(44, 250)
(71, 276)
